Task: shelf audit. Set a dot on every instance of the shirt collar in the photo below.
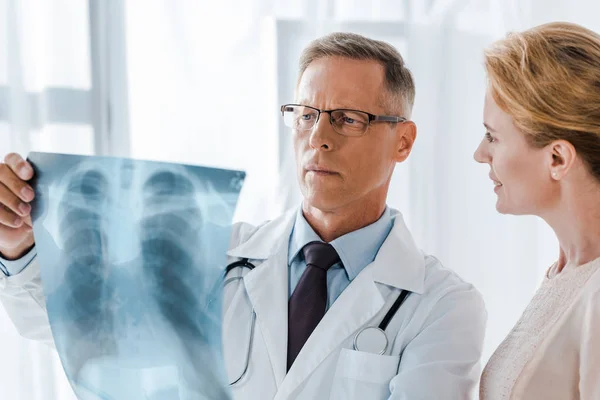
(356, 249)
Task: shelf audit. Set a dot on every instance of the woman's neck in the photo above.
(576, 222)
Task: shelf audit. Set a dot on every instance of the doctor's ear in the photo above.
(407, 134)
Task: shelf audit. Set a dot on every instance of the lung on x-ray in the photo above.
(132, 256)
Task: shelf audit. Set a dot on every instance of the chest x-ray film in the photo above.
(132, 255)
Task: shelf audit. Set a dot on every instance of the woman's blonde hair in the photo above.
(548, 80)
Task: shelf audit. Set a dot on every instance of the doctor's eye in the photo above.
(348, 120)
(489, 137)
(307, 117)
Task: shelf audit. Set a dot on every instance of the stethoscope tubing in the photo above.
(244, 263)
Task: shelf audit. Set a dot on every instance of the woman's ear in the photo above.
(563, 157)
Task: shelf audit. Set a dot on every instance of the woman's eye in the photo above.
(489, 137)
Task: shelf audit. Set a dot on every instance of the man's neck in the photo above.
(330, 225)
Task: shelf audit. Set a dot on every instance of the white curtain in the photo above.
(44, 105)
(204, 81)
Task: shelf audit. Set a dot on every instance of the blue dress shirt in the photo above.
(356, 250)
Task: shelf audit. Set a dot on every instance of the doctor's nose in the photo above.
(322, 135)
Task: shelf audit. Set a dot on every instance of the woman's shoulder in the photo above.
(590, 295)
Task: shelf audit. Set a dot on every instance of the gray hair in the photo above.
(398, 78)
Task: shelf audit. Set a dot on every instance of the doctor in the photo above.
(326, 271)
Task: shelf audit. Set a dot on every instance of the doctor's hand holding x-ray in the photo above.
(16, 234)
(333, 300)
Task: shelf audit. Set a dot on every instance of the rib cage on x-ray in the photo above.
(168, 237)
(84, 242)
(124, 232)
(170, 234)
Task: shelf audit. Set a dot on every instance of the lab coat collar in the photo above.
(356, 249)
(268, 239)
(399, 262)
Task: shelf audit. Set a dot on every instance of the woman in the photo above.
(542, 116)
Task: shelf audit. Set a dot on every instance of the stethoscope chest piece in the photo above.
(371, 340)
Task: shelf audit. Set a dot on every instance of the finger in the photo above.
(16, 185)
(27, 221)
(13, 203)
(12, 237)
(20, 167)
(9, 218)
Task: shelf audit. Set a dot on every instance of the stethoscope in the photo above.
(370, 339)
(243, 263)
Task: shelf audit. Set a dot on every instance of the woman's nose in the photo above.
(481, 154)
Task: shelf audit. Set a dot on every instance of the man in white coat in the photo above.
(322, 272)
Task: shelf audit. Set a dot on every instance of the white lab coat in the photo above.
(436, 337)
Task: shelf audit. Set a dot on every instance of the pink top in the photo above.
(553, 352)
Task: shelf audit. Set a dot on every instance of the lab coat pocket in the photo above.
(361, 375)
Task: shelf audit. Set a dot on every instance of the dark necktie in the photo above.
(307, 304)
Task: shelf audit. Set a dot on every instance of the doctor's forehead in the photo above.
(341, 83)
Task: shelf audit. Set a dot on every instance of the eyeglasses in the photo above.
(345, 122)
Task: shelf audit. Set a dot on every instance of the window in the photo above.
(64, 66)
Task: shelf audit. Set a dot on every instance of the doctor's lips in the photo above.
(320, 170)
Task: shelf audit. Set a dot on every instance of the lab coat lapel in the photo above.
(399, 263)
(358, 303)
(268, 292)
(267, 286)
